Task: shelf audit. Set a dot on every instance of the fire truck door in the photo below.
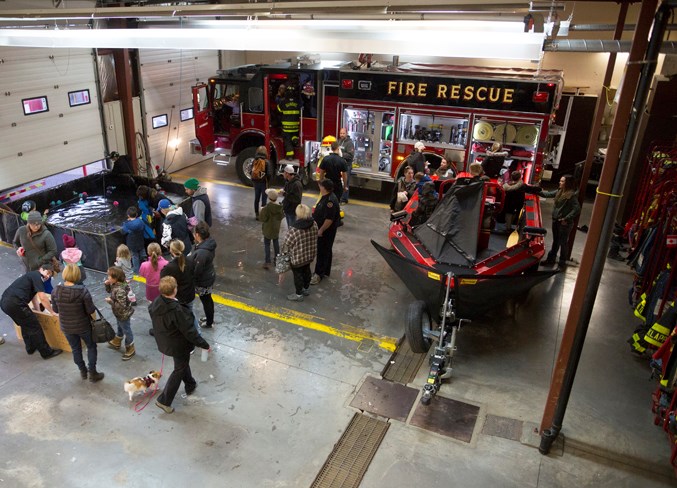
(204, 122)
(372, 133)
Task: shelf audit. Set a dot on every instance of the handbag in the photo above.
(102, 331)
(282, 263)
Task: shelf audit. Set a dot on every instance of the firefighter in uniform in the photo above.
(327, 217)
(290, 117)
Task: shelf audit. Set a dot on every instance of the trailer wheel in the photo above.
(418, 320)
(243, 165)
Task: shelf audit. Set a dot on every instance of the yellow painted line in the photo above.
(292, 317)
(305, 194)
(6, 244)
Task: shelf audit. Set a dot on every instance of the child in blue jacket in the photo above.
(134, 229)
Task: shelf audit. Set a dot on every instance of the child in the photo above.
(72, 255)
(122, 309)
(151, 271)
(271, 217)
(123, 259)
(134, 229)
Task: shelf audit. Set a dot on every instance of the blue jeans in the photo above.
(138, 257)
(291, 218)
(346, 192)
(125, 329)
(259, 194)
(266, 247)
(76, 346)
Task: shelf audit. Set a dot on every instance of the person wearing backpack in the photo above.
(259, 178)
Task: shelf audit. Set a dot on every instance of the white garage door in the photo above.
(49, 114)
(167, 77)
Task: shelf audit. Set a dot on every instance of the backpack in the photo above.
(259, 169)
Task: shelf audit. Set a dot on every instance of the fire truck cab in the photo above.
(458, 112)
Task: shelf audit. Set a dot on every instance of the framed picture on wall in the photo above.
(160, 121)
(35, 105)
(186, 114)
(79, 97)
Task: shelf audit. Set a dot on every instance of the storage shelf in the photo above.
(443, 145)
(520, 158)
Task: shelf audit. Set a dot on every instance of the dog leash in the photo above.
(138, 408)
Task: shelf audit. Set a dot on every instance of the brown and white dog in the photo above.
(141, 384)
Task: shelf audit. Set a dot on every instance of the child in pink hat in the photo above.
(72, 255)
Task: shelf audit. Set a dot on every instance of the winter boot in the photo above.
(129, 353)
(83, 373)
(95, 376)
(115, 343)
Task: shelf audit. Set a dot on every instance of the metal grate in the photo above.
(352, 454)
(403, 364)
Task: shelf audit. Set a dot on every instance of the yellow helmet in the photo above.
(328, 140)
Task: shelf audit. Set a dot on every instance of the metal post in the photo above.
(611, 185)
(597, 121)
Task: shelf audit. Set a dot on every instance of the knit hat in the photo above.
(289, 169)
(192, 184)
(272, 194)
(164, 203)
(34, 217)
(68, 241)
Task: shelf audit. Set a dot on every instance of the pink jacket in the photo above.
(152, 277)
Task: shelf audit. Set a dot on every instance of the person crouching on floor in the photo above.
(176, 337)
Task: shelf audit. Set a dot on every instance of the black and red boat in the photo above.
(457, 269)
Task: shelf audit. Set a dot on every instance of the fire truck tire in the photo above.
(418, 319)
(243, 165)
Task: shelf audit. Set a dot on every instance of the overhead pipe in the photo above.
(599, 46)
(634, 91)
(610, 27)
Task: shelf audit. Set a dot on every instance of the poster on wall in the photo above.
(35, 105)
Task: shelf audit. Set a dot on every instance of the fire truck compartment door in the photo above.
(204, 122)
(371, 130)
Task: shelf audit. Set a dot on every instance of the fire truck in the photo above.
(458, 112)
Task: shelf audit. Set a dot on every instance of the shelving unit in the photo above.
(434, 130)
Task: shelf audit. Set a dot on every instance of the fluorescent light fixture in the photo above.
(461, 39)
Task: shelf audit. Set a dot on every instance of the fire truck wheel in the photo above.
(417, 321)
(243, 165)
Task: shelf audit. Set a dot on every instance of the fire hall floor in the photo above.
(275, 395)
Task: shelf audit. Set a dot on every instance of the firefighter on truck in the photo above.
(290, 117)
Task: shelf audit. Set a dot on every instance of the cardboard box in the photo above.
(50, 326)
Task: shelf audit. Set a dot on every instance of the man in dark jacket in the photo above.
(174, 225)
(176, 337)
(204, 274)
(327, 216)
(334, 167)
(201, 209)
(292, 192)
(15, 301)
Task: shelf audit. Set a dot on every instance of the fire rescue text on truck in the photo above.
(456, 111)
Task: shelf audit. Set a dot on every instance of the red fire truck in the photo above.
(457, 111)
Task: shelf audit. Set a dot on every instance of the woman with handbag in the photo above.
(35, 245)
(75, 307)
(301, 246)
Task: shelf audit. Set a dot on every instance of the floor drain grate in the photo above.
(352, 454)
(403, 364)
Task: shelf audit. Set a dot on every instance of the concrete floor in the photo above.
(274, 397)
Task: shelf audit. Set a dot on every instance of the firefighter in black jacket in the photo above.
(327, 215)
(290, 116)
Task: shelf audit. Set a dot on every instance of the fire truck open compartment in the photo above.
(456, 111)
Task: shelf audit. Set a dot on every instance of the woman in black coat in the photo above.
(175, 337)
(203, 271)
(75, 307)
